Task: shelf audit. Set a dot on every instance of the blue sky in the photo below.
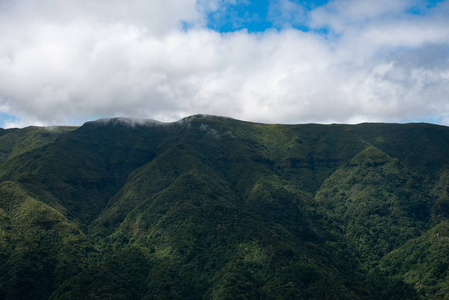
(283, 61)
(258, 16)
(254, 16)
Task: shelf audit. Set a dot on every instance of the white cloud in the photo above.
(286, 13)
(68, 62)
(343, 14)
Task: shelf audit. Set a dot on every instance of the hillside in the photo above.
(216, 208)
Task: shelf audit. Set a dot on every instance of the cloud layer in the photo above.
(65, 62)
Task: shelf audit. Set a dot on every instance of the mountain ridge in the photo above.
(218, 208)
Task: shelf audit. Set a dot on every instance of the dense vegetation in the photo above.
(216, 208)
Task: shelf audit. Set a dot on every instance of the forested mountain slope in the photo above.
(215, 208)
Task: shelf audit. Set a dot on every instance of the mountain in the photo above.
(216, 208)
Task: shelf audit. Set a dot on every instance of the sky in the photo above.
(65, 62)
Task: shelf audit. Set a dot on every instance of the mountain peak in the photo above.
(130, 122)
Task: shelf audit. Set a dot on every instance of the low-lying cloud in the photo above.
(359, 61)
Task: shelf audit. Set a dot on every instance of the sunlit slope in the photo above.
(423, 262)
(378, 202)
(39, 248)
(14, 142)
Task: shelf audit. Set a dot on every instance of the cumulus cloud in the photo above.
(65, 62)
